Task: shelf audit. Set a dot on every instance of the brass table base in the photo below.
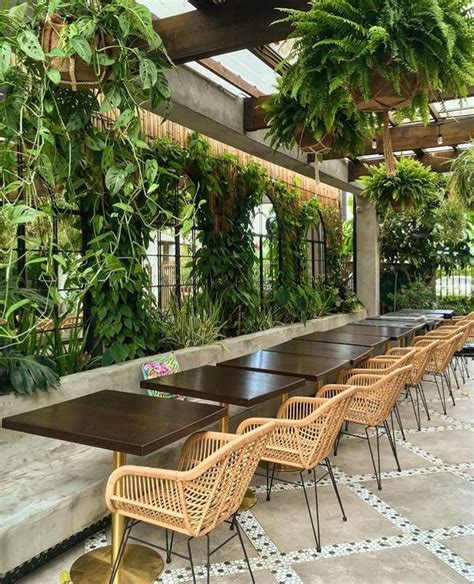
(140, 565)
(248, 501)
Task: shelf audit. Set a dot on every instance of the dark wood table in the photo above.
(237, 387)
(311, 368)
(397, 334)
(379, 322)
(126, 423)
(445, 312)
(227, 386)
(426, 323)
(375, 342)
(355, 353)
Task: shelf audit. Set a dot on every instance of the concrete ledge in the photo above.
(50, 490)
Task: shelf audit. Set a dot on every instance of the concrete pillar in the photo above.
(367, 256)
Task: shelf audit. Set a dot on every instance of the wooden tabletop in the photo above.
(426, 323)
(311, 368)
(392, 332)
(378, 322)
(115, 420)
(355, 353)
(230, 386)
(373, 341)
(446, 312)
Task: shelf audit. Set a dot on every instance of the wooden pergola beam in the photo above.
(256, 114)
(439, 162)
(269, 56)
(224, 27)
(416, 136)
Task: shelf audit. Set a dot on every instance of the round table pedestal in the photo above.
(140, 565)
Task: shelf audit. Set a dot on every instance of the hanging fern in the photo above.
(343, 48)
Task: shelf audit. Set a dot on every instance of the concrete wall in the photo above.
(368, 256)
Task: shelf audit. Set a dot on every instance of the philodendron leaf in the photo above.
(82, 48)
(29, 44)
(5, 58)
(115, 179)
(148, 73)
(54, 75)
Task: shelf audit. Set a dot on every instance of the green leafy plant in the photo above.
(350, 59)
(460, 304)
(86, 149)
(191, 321)
(461, 182)
(412, 185)
(227, 194)
(415, 295)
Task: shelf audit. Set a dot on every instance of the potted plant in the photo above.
(365, 58)
(412, 186)
(461, 182)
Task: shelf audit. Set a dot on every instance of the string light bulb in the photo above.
(440, 137)
(374, 144)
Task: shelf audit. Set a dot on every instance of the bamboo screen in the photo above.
(154, 127)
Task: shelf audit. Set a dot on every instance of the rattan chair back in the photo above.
(442, 353)
(215, 470)
(305, 430)
(377, 395)
(419, 361)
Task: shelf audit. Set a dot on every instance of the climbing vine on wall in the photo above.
(227, 194)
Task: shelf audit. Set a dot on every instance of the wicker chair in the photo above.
(420, 362)
(372, 404)
(438, 365)
(303, 437)
(466, 327)
(214, 471)
(382, 365)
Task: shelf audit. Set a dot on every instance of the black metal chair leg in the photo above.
(393, 445)
(190, 552)
(270, 480)
(377, 473)
(416, 408)
(316, 531)
(441, 393)
(336, 490)
(399, 421)
(423, 400)
(450, 388)
(169, 545)
(454, 374)
(247, 561)
(208, 559)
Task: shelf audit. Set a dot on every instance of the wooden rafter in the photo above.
(269, 56)
(224, 27)
(231, 77)
(256, 113)
(439, 162)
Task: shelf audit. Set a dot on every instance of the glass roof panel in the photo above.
(250, 68)
(164, 8)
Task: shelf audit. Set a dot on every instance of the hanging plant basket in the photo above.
(75, 73)
(401, 206)
(308, 143)
(384, 97)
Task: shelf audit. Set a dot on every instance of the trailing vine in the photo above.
(227, 194)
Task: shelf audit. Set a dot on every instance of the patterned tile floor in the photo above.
(418, 529)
